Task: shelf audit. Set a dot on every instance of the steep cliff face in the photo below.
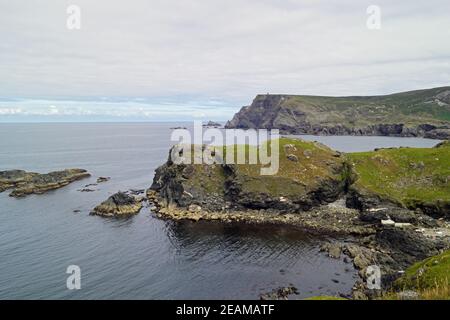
(421, 113)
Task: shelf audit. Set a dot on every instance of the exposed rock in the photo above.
(407, 245)
(441, 134)
(24, 183)
(314, 182)
(377, 115)
(388, 222)
(119, 204)
(103, 179)
(281, 293)
(334, 250)
(292, 157)
(86, 190)
(136, 192)
(212, 124)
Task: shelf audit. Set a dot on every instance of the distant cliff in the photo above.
(420, 113)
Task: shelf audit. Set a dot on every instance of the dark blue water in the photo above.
(141, 257)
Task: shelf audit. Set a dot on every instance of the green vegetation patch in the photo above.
(427, 273)
(405, 175)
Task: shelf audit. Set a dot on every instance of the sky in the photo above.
(151, 60)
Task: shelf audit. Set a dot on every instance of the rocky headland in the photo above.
(24, 183)
(420, 113)
(393, 204)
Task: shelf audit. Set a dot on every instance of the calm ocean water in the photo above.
(143, 257)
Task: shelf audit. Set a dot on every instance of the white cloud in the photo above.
(211, 50)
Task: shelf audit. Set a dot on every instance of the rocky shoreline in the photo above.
(333, 196)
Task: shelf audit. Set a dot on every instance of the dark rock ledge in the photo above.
(24, 183)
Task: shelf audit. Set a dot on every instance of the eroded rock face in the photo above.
(315, 178)
(119, 204)
(24, 183)
(391, 115)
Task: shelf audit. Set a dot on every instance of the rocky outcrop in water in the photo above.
(421, 113)
(24, 183)
(212, 124)
(119, 204)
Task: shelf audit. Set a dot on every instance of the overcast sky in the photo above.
(172, 60)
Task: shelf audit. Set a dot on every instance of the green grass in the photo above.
(430, 278)
(315, 162)
(405, 175)
(411, 108)
(427, 273)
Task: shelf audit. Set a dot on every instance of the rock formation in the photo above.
(119, 204)
(421, 113)
(24, 183)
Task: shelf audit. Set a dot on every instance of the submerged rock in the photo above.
(103, 179)
(24, 183)
(119, 204)
(281, 293)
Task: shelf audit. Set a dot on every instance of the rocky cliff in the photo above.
(421, 113)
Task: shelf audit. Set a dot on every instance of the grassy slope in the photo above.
(408, 107)
(405, 175)
(430, 278)
(315, 162)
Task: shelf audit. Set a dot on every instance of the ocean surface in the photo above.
(143, 257)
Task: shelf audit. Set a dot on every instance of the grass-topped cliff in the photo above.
(414, 113)
(309, 174)
(412, 177)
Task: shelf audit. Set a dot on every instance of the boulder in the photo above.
(119, 204)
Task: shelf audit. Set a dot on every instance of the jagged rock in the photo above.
(119, 204)
(24, 183)
(103, 179)
(212, 124)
